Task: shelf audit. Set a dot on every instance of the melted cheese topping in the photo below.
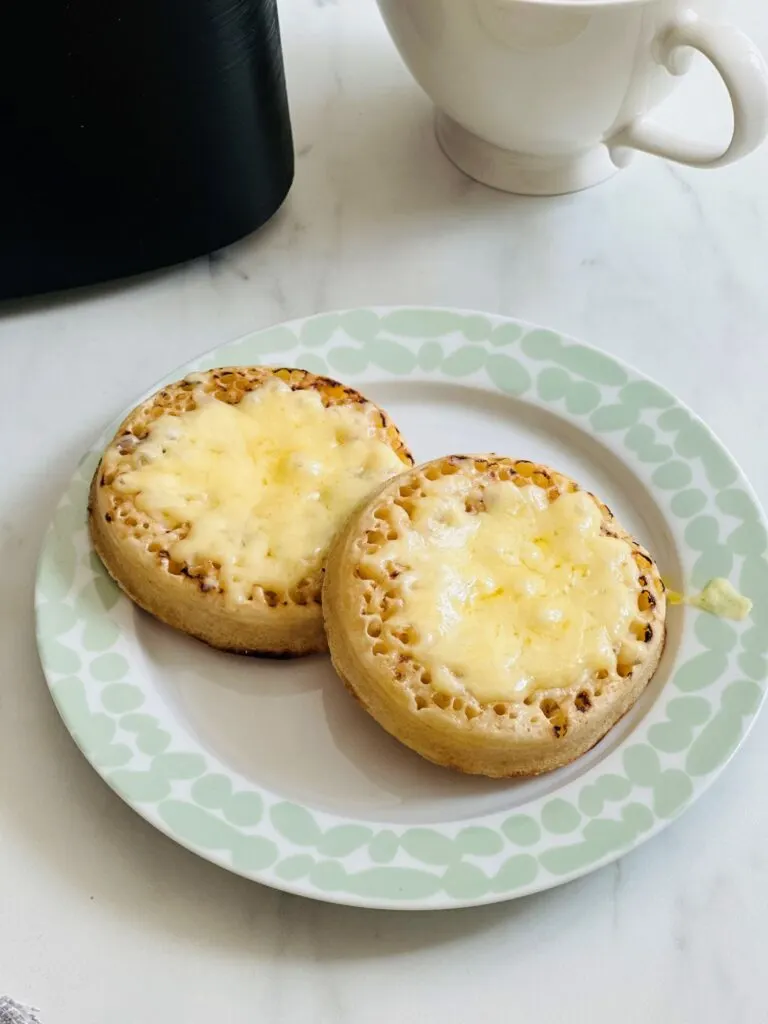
(264, 484)
(525, 595)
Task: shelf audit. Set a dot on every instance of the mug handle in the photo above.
(742, 69)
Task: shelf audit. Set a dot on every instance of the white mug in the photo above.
(542, 97)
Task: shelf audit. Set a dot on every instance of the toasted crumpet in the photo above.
(491, 615)
(215, 503)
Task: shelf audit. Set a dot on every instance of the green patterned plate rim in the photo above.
(696, 722)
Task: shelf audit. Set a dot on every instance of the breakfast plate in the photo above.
(271, 770)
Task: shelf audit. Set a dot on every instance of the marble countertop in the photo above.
(101, 917)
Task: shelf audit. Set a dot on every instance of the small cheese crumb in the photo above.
(719, 597)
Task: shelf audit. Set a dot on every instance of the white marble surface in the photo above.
(103, 919)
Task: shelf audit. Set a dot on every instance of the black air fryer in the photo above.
(135, 134)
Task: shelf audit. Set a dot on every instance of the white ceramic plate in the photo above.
(271, 770)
